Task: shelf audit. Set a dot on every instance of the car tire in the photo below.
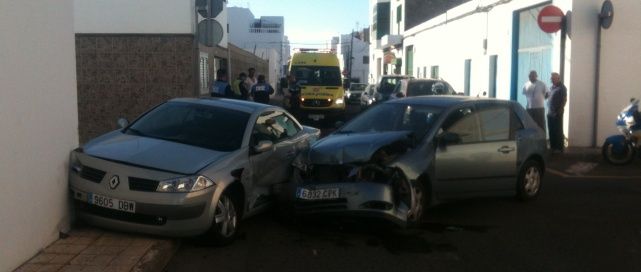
(226, 220)
(529, 180)
(616, 159)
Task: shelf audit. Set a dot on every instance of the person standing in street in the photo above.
(240, 84)
(535, 91)
(294, 94)
(262, 90)
(556, 104)
(250, 81)
(221, 87)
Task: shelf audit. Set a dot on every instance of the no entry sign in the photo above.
(550, 19)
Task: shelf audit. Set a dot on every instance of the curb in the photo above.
(95, 249)
(157, 257)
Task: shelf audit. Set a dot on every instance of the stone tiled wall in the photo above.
(242, 60)
(125, 75)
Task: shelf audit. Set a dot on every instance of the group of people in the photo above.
(536, 93)
(246, 86)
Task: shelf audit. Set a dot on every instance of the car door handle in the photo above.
(506, 149)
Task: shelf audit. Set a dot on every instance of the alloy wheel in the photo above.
(532, 180)
(225, 216)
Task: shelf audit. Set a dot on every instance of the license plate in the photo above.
(318, 194)
(112, 203)
(316, 117)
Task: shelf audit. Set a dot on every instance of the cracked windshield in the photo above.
(320, 135)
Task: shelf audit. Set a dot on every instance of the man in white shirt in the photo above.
(535, 91)
(250, 81)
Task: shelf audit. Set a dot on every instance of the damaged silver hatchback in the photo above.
(395, 159)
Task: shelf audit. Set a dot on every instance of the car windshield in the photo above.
(317, 75)
(357, 87)
(198, 125)
(394, 117)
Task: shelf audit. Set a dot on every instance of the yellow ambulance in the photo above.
(319, 76)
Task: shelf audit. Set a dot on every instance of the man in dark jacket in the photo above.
(221, 87)
(294, 94)
(556, 104)
(262, 90)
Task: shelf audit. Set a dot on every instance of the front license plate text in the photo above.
(111, 203)
(318, 194)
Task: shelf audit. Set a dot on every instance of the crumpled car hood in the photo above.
(153, 153)
(352, 147)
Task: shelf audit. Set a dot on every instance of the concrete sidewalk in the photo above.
(586, 162)
(92, 249)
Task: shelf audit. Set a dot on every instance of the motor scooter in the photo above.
(621, 149)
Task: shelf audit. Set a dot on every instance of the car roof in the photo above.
(412, 80)
(396, 76)
(233, 104)
(444, 101)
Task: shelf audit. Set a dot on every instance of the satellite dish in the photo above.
(607, 14)
(210, 32)
(209, 8)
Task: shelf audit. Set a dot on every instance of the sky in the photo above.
(311, 23)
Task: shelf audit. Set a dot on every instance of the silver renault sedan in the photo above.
(395, 159)
(187, 167)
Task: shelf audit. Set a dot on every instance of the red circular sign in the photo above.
(550, 19)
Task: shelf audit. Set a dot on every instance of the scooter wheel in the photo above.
(618, 158)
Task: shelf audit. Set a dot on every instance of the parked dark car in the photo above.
(353, 93)
(386, 87)
(416, 87)
(397, 158)
(367, 97)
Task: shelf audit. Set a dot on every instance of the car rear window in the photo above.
(420, 88)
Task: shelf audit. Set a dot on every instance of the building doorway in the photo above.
(532, 50)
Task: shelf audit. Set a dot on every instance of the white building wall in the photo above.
(240, 20)
(619, 69)
(272, 57)
(140, 16)
(239, 25)
(449, 44)
(360, 70)
(38, 111)
(376, 54)
(360, 50)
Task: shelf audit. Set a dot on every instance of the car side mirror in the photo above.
(263, 146)
(122, 122)
(448, 138)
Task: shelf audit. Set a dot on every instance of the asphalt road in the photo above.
(577, 224)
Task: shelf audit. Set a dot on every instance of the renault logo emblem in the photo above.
(114, 182)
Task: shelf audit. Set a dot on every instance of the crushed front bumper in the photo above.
(358, 199)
